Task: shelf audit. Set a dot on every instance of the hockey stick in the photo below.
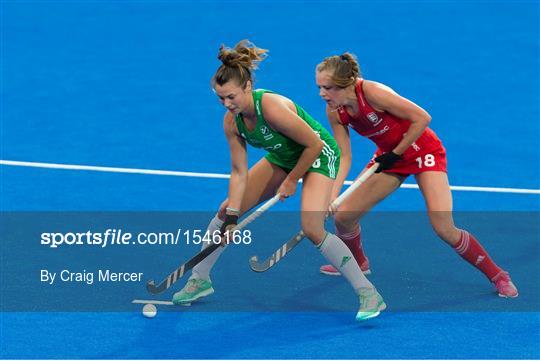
(180, 271)
(297, 238)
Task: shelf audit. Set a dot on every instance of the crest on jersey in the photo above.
(373, 118)
(267, 135)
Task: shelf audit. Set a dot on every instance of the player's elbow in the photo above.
(422, 120)
(425, 118)
(318, 146)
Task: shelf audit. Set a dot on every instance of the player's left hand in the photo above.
(287, 189)
(386, 161)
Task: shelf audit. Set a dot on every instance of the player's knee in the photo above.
(315, 237)
(314, 232)
(345, 221)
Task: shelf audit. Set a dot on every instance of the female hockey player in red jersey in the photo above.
(406, 146)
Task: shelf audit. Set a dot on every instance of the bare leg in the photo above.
(374, 190)
(365, 197)
(263, 180)
(438, 197)
(315, 200)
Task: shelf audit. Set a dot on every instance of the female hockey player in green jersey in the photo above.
(298, 148)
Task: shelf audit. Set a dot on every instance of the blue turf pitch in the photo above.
(126, 84)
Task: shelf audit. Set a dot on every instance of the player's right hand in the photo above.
(287, 189)
(331, 208)
(386, 161)
(231, 220)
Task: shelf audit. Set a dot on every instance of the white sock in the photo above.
(339, 255)
(202, 270)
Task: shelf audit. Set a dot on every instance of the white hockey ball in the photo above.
(149, 310)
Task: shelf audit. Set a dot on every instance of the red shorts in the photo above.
(417, 162)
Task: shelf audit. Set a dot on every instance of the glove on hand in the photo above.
(386, 161)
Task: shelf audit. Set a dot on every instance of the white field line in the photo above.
(226, 176)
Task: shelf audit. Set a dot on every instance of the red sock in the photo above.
(354, 243)
(472, 251)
